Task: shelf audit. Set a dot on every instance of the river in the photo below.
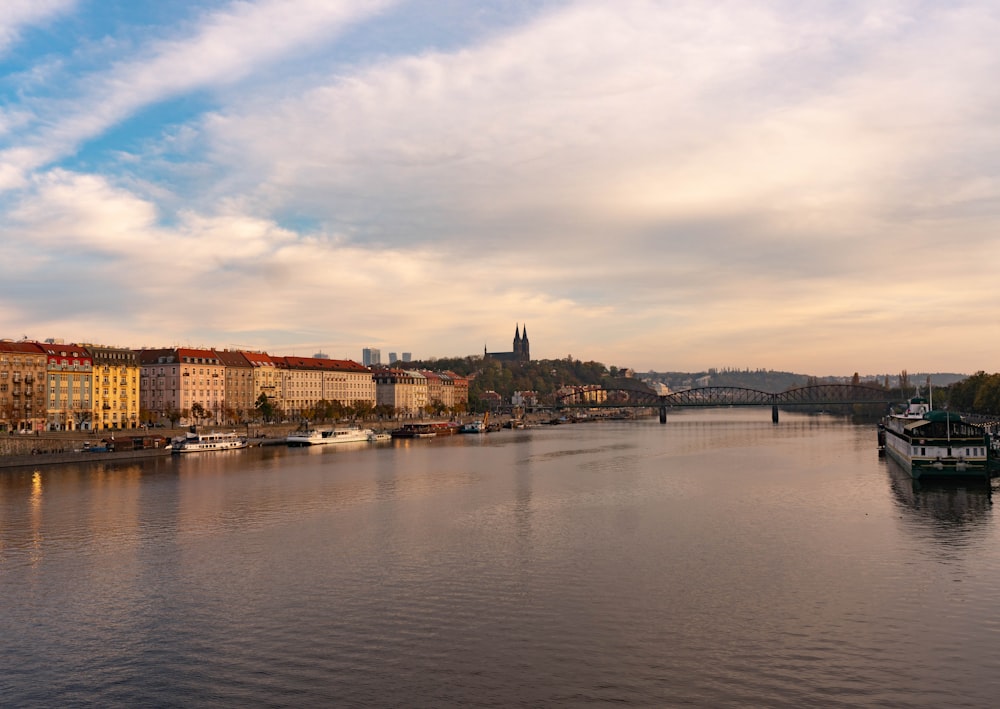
(719, 560)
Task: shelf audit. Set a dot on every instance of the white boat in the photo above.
(322, 437)
(201, 442)
(379, 436)
(934, 443)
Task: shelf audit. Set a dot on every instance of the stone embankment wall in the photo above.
(62, 458)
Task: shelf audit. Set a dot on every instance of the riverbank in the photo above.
(62, 447)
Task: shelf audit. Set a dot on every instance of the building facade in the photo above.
(460, 386)
(22, 386)
(308, 381)
(183, 384)
(404, 391)
(239, 388)
(69, 387)
(116, 402)
(266, 378)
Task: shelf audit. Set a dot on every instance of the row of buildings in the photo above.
(55, 386)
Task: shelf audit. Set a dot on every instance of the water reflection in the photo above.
(949, 511)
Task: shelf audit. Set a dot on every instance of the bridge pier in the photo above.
(663, 414)
(774, 413)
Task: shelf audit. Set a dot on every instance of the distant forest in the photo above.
(978, 394)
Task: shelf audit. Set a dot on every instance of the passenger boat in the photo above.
(379, 436)
(201, 442)
(935, 443)
(322, 437)
(474, 427)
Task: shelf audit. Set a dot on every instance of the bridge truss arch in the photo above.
(638, 395)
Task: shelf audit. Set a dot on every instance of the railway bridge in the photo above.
(630, 393)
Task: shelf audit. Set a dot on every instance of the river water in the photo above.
(719, 560)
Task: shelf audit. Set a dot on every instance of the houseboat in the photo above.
(935, 443)
(414, 430)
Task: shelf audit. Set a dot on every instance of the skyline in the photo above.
(667, 186)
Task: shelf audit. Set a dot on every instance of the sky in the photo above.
(663, 185)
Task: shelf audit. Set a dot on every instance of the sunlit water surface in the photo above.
(719, 560)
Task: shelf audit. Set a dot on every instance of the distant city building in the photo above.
(407, 356)
(526, 399)
(371, 356)
(320, 355)
(521, 351)
(393, 358)
(491, 400)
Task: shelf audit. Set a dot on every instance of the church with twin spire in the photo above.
(521, 353)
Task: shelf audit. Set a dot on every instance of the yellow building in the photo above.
(70, 380)
(115, 387)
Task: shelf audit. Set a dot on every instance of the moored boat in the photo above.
(379, 436)
(202, 442)
(935, 443)
(445, 428)
(474, 427)
(322, 437)
(414, 430)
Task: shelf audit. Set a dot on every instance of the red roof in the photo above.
(330, 365)
(23, 347)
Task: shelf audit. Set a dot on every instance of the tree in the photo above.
(362, 409)
(199, 412)
(81, 415)
(264, 407)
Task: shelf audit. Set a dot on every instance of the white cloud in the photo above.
(17, 14)
(226, 47)
(629, 113)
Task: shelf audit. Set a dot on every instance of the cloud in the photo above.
(642, 183)
(225, 47)
(18, 14)
(616, 116)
